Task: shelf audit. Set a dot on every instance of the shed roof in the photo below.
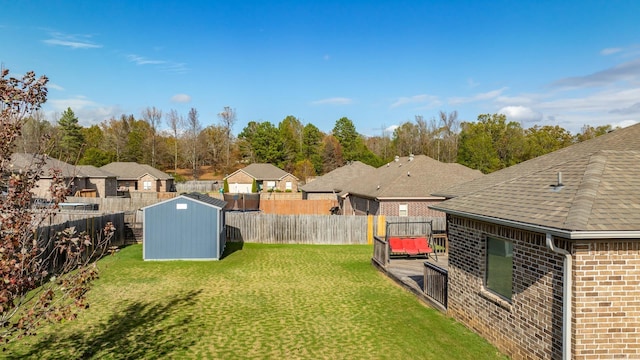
(410, 177)
(134, 171)
(600, 189)
(203, 198)
(338, 179)
(206, 199)
(262, 172)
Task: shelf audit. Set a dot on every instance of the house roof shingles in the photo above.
(133, 171)
(262, 172)
(94, 172)
(338, 179)
(24, 161)
(410, 177)
(600, 192)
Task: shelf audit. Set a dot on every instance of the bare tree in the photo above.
(153, 117)
(228, 119)
(193, 129)
(447, 133)
(175, 123)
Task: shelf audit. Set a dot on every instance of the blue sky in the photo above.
(379, 63)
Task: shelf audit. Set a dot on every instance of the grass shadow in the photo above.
(138, 331)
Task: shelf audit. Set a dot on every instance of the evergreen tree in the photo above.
(71, 139)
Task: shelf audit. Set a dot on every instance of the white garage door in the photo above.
(240, 188)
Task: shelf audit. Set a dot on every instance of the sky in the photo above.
(378, 63)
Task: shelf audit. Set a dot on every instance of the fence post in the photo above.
(369, 229)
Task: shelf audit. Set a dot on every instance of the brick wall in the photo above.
(607, 300)
(530, 325)
(415, 207)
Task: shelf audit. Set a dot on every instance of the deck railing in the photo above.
(435, 283)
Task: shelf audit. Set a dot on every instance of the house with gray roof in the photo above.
(96, 182)
(85, 179)
(544, 256)
(329, 185)
(140, 177)
(403, 187)
(267, 176)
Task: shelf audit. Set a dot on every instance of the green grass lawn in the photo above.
(259, 302)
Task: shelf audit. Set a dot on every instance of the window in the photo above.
(499, 274)
(403, 210)
(147, 185)
(288, 185)
(271, 185)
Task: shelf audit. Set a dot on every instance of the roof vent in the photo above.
(410, 157)
(378, 188)
(559, 185)
(408, 173)
(397, 158)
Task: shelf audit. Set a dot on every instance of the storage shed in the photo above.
(187, 227)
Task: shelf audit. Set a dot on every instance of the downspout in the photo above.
(566, 298)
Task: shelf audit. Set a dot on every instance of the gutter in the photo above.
(567, 297)
(567, 234)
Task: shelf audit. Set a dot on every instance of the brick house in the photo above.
(332, 183)
(403, 187)
(78, 178)
(544, 256)
(140, 177)
(268, 178)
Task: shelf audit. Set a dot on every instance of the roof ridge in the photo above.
(578, 215)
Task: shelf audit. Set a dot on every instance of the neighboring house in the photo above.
(267, 177)
(187, 227)
(402, 187)
(96, 182)
(80, 179)
(140, 177)
(544, 256)
(332, 183)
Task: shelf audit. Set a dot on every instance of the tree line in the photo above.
(488, 144)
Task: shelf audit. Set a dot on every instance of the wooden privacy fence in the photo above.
(119, 204)
(311, 229)
(299, 207)
(94, 225)
(296, 229)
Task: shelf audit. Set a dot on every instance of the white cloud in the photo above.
(521, 114)
(162, 65)
(633, 109)
(141, 60)
(71, 40)
(478, 97)
(610, 51)
(333, 101)
(430, 100)
(87, 111)
(628, 71)
(391, 129)
(55, 86)
(624, 123)
(181, 98)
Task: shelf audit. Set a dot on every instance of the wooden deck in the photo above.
(409, 273)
